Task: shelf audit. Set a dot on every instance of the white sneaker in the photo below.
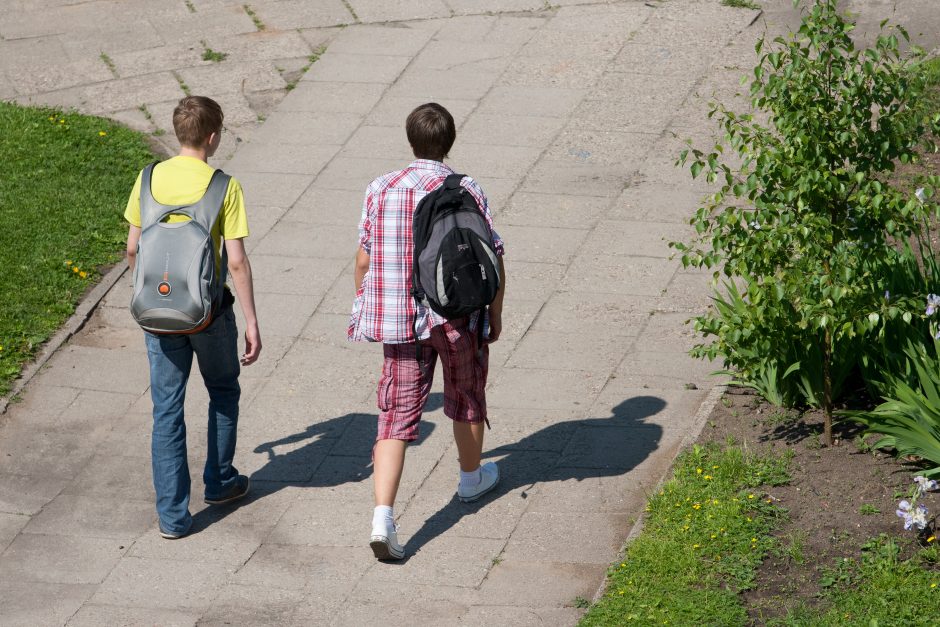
(384, 543)
(489, 477)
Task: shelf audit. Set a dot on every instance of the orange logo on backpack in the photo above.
(164, 286)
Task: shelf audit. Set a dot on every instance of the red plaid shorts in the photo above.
(405, 382)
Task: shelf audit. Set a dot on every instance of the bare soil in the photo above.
(839, 498)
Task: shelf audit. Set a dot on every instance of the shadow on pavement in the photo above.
(576, 449)
(338, 451)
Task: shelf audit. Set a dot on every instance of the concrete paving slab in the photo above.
(511, 130)
(10, 526)
(334, 207)
(548, 584)
(655, 370)
(622, 18)
(127, 93)
(26, 494)
(463, 560)
(392, 110)
(531, 388)
(478, 7)
(305, 241)
(562, 71)
(291, 14)
(570, 177)
(531, 281)
(484, 160)
(332, 97)
(115, 476)
(321, 570)
(355, 173)
(163, 584)
(522, 617)
(610, 314)
(572, 491)
(117, 371)
(446, 55)
(647, 276)
(534, 101)
(255, 605)
(397, 39)
(398, 10)
(356, 612)
(93, 517)
(648, 201)
(208, 22)
(230, 545)
(16, 52)
(542, 244)
(580, 353)
(28, 452)
(27, 603)
(358, 68)
(90, 615)
(537, 537)
(553, 42)
(273, 190)
(388, 141)
(60, 559)
(35, 78)
(310, 130)
(232, 77)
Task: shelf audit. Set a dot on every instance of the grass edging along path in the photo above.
(62, 195)
(705, 533)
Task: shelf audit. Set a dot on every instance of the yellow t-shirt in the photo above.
(183, 181)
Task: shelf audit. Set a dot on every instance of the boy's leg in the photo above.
(465, 371)
(171, 359)
(217, 353)
(403, 389)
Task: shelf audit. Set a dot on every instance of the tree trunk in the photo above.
(827, 388)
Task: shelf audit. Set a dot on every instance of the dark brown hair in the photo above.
(431, 131)
(195, 118)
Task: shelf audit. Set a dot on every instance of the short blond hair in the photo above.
(195, 118)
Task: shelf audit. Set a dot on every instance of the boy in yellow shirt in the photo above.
(183, 180)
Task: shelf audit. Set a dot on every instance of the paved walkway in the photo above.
(570, 116)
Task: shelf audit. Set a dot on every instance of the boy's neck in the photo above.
(196, 153)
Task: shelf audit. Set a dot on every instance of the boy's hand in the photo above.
(252, 345)
(496, 326)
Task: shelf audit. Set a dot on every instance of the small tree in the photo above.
(808, 221)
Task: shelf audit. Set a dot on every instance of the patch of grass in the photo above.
(867, 509)
(740, 4)
(311, 59)
(208, 54)
(254, 17)
(65, 182)
(879, 589)
(110, 64)
(351, 10)
(190, 6)
(706, 533)
(581, 602)
(182, 83)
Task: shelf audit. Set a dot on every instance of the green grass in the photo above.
(706, 533)
(877, 589)
(740, 4)
(63, 190)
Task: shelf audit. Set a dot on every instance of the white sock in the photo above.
(383, 517)
(470, 479)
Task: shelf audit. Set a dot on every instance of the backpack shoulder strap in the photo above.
(453, 181)
(150, 209)
(207, 210)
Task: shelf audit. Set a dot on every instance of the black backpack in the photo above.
(455, 271)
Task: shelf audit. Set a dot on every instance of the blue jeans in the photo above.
(171, 359)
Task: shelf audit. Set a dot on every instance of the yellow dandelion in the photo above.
(714, 536)
(621, 592)
(750, 496)
(83, 274)
(715, 467)
(708, 477)
(931, 538)
(68, 262)
(61, 121)
(753, 539)
(622, 565)
(715, 502)
(933, 585)
(75, 269)
(697, 506)
(749, 519)
(695, 546)
(52, 118)
(698, 471)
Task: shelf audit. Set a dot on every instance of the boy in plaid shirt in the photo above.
(385, 311)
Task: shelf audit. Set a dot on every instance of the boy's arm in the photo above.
(133, 236)
(362, 266)
(240, 269)
(496, 307)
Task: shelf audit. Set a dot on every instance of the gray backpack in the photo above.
(176, 286)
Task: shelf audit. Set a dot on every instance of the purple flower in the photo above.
(933, 302)
(924, 484)
(913, 516)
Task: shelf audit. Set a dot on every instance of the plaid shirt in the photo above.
(384, 310)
